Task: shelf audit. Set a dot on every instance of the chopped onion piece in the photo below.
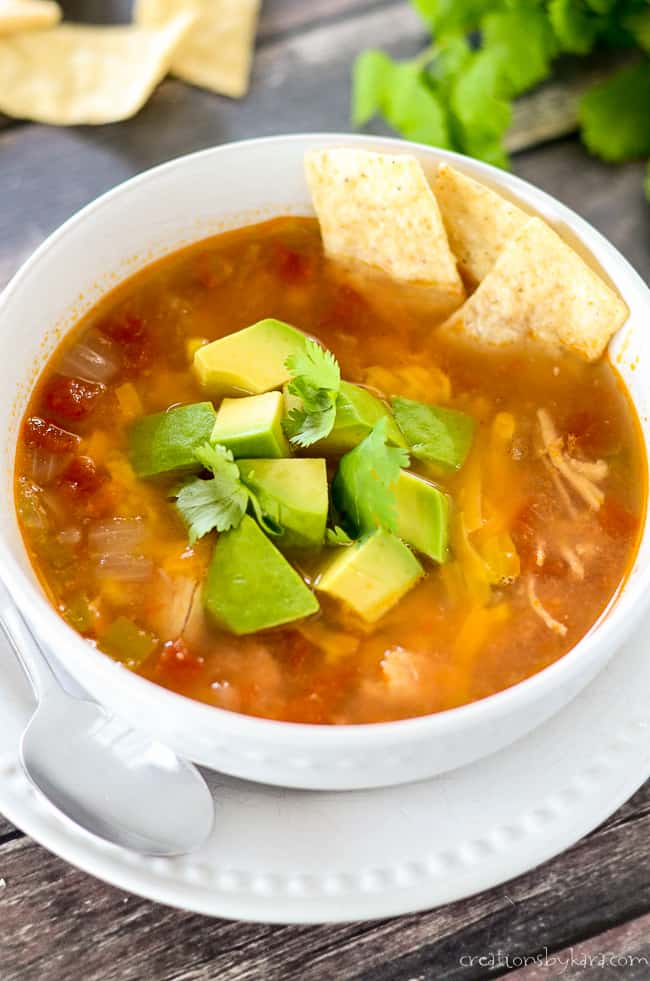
(125, 568)
(45, 466)
(116, 536)
(94, 358)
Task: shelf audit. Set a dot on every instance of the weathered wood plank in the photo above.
(48, 910)
(621, 952)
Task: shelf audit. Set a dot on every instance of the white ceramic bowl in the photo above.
(154, 214)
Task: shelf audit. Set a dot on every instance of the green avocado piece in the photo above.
(164, 443)
(251, 586)
(433, 433)
(422, 515)
(250, 361)
(357, 411)
(294, 493)
(252, 426)
(370, 576)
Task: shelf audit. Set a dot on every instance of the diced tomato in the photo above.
(177, 661)
(290, 266)
(616, 520)
(46, 435)
(88, 488)
(72, 398)
(82, 475)
(133, 338)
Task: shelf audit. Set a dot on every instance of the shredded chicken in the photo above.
(593, 469)
(571, 510)
(540, 553)
(580, 475)
(541, 611)
(400, 670)
(571, 558)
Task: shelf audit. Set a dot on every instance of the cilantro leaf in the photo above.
(449, 16)
(575, 26)
(216, 504)
(372, 73)
(365, 482)
(203, 508)
(435, 434)
(482, 112)
(219, 502)
(414, 108)
(315, 367)
(522, 43)
(638, 25)
(615, 116)
(316, 379)
(337, 536)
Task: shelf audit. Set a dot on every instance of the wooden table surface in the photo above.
(61, 925)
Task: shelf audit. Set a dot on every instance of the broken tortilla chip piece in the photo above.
(27, 15)
(479, 221)
(217, 52)
(539, 287)
(76, 74)
(379, 210)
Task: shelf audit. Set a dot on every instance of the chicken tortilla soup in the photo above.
(345, 469)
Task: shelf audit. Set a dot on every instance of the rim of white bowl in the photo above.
(620, 616)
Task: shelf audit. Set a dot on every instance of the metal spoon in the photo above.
(111, 780)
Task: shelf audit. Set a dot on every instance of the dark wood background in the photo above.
(58, 924)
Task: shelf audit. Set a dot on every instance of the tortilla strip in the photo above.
(27, 15)
(479, 221)
(379, 210)
(76, 74)
(539, 287)
(217, 52)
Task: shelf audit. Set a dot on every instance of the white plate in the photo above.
(303, 856)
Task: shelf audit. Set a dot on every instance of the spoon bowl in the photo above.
(112, 780)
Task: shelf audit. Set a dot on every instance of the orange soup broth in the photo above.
(469, 628)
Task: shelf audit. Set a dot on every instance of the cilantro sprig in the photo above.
(364, 488)
(220, 502)
(458, 93)
(315, 380)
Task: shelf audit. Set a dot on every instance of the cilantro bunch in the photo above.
(458, 93)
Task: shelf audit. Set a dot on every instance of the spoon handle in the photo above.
(28, 652)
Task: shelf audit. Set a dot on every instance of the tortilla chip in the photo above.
(539, 287)
(479, 221)
(27, 15)
(379, 210)
(76, 74)
(218, 51)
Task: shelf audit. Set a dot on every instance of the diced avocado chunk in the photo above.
(294, 493)
(370, 576)
(435, 434)
(251, 360)
(252, 426)
(251, 586)
(164, 443)
(422, 515)
(357, 411)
